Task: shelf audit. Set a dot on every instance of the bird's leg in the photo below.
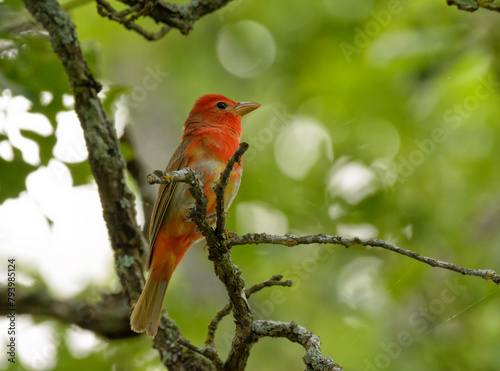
(230, 234)
(212, 218)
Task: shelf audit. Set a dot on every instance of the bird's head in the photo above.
(218, 112)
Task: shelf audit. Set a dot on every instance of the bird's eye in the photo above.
(221, 105)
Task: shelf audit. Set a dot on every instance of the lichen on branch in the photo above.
(468, 7)
(180, 16)
(292, 240)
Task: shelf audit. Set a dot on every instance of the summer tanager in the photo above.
(211, 136)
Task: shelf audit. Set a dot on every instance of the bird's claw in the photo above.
(211, 219)
(230, 234)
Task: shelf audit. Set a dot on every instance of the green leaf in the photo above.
(33, 70)
(45, 144)
(14, 173)
(80, 172)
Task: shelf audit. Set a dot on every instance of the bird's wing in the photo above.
(177, 162)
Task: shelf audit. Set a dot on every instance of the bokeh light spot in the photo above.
(258, 216)
(15, 116)
(352, 182)
(299, 146)
(358, 287)
(70, 146)
(246, 49)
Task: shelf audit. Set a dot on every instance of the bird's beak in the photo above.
(242, 108)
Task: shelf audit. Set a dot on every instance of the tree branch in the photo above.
(104, 157)
(198, 212)
(313, 358)
(273, 281)
(128, 17)
(108, 167)
(291, 240)
(110, 317)
(208, 351)
(170, 15)
(486, 4)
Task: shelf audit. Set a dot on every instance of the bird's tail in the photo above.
(147, 311)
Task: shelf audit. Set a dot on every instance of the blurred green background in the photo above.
(378, 119)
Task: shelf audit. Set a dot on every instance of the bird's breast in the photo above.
(208, 158)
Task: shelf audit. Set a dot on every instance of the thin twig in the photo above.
(273, 281)
(128, 17)
(291, 240)
(185, 175)
(221, 185)
(214, 323)
(198, 213)
(180, 16)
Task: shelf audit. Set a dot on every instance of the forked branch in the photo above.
(180, 16)
(230, 275)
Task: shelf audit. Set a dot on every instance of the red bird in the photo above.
(211, 136)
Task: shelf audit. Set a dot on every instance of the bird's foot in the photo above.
(230, 234)
(211, 219)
